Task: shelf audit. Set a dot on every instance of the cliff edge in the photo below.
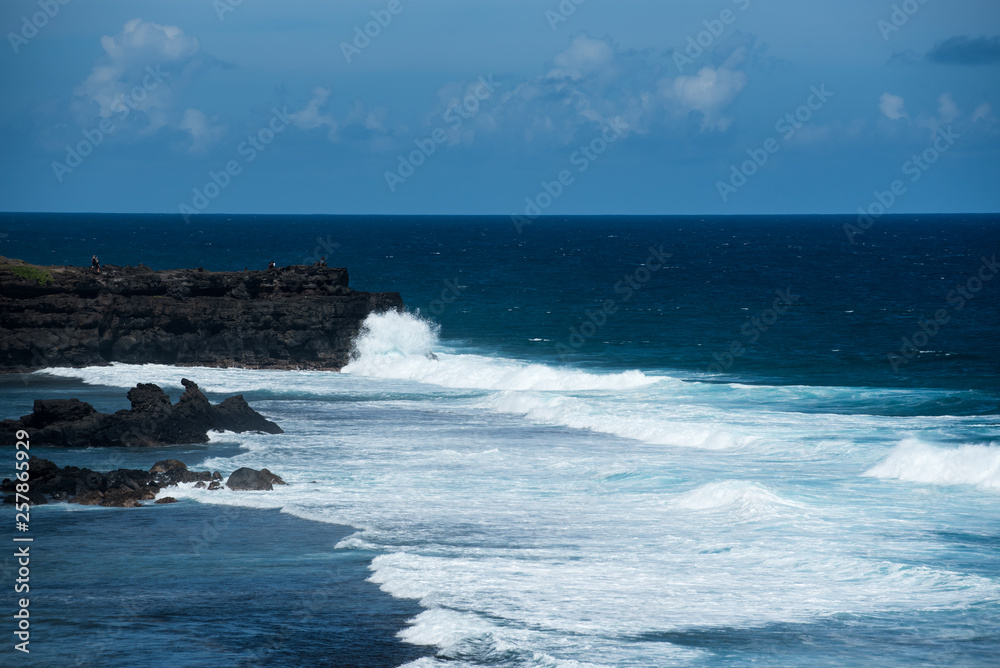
(281, 318)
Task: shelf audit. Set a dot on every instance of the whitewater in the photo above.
(546, 515)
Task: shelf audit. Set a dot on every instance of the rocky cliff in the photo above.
(290, 317)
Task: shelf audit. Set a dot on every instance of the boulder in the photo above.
(168, 466)
(121, 498)
(234, 414)
(249, 479)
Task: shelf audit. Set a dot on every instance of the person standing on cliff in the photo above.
(95, 264)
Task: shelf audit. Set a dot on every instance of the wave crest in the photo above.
(401, 346)
(915, 461)
(745, 499)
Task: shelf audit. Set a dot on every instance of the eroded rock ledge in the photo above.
(283, 318)
(152, 420)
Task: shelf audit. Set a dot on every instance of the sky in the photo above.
(505, 107)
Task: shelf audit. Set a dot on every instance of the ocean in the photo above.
(633, 441)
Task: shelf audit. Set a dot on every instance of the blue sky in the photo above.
(458, 107)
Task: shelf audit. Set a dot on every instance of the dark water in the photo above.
(193, 585)
(523, 293)
(770, 490)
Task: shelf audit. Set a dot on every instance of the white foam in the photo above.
(209, 379)
(223, 436)
(749, 500)
(402, 346)
(528, 544)
(566, 546)
(612, 416)
(395, 334)
(916, 461)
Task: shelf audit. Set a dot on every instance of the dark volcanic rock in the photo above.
(234, 414)
(295, 317)
(168, 466)
(248, 479)
(91, 498)
(122, 488)
(151, 421)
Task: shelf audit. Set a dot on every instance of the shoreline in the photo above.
(218, 582)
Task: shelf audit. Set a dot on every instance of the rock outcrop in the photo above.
(152, 420)
(248, 479)
(122, 488)
(291, 317)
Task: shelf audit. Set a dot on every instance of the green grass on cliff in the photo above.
(35, 274)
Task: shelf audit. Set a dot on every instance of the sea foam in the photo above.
(916, 461)
(403, 346)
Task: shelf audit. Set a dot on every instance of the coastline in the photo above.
(108, 584)
(626, 507)
(170, 577)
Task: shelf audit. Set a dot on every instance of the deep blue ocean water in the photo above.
(644, 441)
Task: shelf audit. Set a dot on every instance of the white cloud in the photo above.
(584, 56)
(139, 36)
(358, 124)
(311, 117)
(583, 88)
(709, 92)
(947, 114)
(984, 112)
(123, 72)
(947, 109)
(892, 106)
(203, 133)
(592, 81)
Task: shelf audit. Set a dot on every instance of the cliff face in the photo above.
(292, 317)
